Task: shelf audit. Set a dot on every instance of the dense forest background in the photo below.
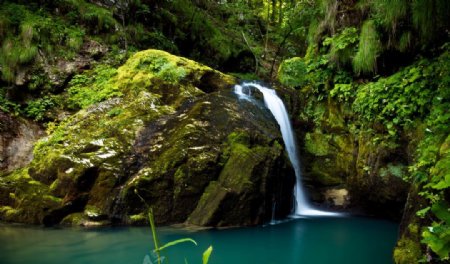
(384, 65)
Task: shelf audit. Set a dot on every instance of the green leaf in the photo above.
(442, 211)
(153, 228)
(175, 242)
(206, 255)
(423, 212)
(442, 184)
(438, 239)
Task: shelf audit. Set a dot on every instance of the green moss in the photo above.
(208, 206)
(334, 118)
(246, 163)
(407, 251)
(323, 172)
(240, 137)
(138, 219)
(92, 142)
(92, 211)
(30, 199)
(75, 219)
(408, 247)
(317, 143)
(92, 86)
(159, 64)
(9, 213)
(26, 29)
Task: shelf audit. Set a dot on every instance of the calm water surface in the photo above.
(308, 241)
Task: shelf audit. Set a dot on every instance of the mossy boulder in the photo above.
(166, 131)
(245, 186)
(24, 199)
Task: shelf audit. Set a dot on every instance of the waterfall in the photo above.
(276, 106)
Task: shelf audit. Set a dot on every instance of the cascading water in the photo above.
(276, 106)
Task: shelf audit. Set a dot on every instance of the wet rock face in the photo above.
(218, 162)
(17, 137)
(335, 157)
(177, 141)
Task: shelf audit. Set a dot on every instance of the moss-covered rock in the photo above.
(24, 199)
(159, 133)
(408, 249)
(246, 180)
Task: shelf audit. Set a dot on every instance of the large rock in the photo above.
(176, 140)
(17, 137)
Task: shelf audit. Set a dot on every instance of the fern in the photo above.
(405, 41)
(368, 50)
(391, 11)
(342, 45)
(422, 14)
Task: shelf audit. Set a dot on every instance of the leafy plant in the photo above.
(92, 87)
(37, 109)
(292, 72)
(6, 105)
(342, 45)
(158, 249)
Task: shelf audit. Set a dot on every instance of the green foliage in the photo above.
(93, 17)
(37, 109)
(385, 26)
(292, 72)
(25, 31)
(171, 72)
(157, 40)
(394, 170)
(413, 102)
(405, 41)
(15, 52)
(418, 92)
(6, 105)
(391, 11)
(314, 72)
(437, 236)
(365, 60)
(206, 255)
(430, 16)
(433, 171)
(422, 20)
(163, 68)
(115, 112)
(344, 92)
(92, 86)
(158, 249)
(398, 99)
(211, 45)
(342, 45)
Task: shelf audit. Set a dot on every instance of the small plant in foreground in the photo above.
(158, 249)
